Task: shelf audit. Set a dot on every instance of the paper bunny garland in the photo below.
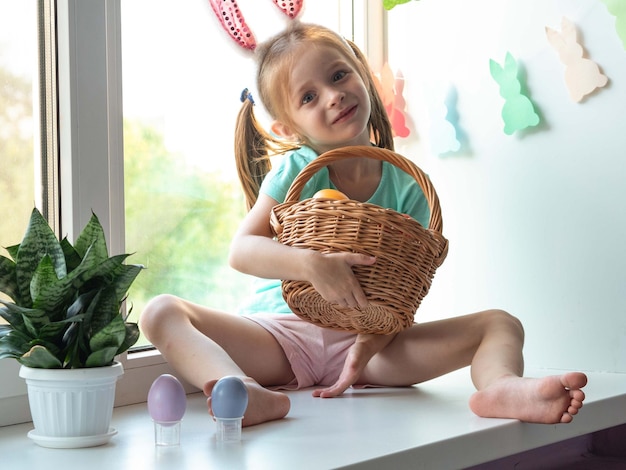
(582, 75)
(231, 18)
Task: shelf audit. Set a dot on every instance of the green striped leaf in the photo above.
(112, 335)
(40, 357)
(103, 357)
(125, 278)
(13, 343)
(107, 307)
(8, 280)
(38, 242)
(92, 238)
(72, 258)
(12, 250)
(15, 314)
(43, 277)
(132, 335)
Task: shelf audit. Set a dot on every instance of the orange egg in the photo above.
(330, 194)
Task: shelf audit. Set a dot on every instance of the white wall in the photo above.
(536, 220)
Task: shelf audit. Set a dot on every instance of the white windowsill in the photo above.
(427, 426)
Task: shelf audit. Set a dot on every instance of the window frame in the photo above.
(91, 127)
(91, 153)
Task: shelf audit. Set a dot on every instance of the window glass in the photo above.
(182, 81)
(18, 66)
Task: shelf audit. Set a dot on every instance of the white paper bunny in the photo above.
(582, 75)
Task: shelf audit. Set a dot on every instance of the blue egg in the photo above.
(166, 399)
(229, 398)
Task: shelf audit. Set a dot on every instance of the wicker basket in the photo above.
(407, 254)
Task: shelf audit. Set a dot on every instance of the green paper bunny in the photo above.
(518, 112)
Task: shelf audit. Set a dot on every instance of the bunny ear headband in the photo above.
(231, 18)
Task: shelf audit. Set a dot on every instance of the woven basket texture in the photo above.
(407, 253)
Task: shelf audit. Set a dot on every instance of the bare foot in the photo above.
(547, 400)
(263, 404)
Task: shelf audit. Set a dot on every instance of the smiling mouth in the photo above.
(346, 113)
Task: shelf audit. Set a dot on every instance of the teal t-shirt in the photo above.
(397, 190)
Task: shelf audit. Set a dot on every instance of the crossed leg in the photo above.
(204, 345)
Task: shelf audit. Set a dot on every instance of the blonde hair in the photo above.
(253, 144)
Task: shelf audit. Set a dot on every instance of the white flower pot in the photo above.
(71, 407)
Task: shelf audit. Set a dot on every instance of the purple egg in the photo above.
(229, 398)
(166, 399)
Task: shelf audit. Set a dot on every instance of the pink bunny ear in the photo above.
(229, 15)
(290, 8)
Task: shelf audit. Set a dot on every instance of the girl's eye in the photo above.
(307, 98)
(338, 76)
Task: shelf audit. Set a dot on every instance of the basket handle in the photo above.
(435, 222)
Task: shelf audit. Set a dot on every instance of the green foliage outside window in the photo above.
(179, 219)
(179, 223)
(16, 157)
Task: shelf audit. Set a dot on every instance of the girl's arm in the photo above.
(359, 355)
(254, 251)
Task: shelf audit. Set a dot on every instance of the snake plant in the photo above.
(66, 309)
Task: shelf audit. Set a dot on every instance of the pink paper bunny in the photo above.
(582, 76)
(390, 89)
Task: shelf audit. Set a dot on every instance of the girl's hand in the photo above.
(364, 348)
(332, 277)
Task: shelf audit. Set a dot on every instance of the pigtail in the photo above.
(253, 148)
(379, 123)
(251, 151)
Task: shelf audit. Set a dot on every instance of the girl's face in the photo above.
(328, 102)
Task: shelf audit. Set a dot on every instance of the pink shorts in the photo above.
(316, 354)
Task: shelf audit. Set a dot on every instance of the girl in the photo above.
(318, 89)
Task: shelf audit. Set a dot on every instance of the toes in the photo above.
(576, 403)
(208, 387)
(574, 380)
(208, 404)
(573, 409)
